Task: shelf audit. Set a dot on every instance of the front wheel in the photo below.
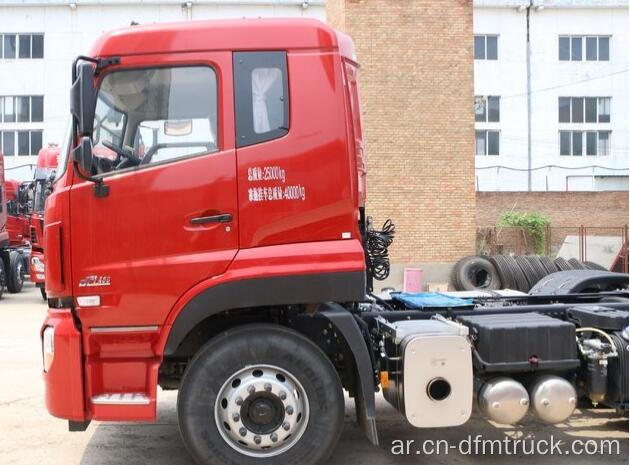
(260, 394)
(16, 272)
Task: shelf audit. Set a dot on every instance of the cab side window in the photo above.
(155, 115)
(261, 96)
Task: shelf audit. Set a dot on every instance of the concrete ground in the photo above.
(29, 436)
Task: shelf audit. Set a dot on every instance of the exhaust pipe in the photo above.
(438, 389)
(503, 400)
(553, 398)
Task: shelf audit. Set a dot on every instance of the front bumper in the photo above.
(63, 380)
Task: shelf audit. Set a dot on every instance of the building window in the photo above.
(22, 46)
(591, 143)
(486, 47)
(487, 142)
(603, 143)
(487, 109)
(21, 109)
(584, 109)
(579, 48)
(23, 143)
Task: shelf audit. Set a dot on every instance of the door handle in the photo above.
(221, 218)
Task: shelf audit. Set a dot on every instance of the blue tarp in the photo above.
(430, 299)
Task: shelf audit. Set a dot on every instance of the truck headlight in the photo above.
(37, 264)
(48, 346)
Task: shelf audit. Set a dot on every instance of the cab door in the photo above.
(170, 217)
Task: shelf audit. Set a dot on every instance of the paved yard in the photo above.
(29, 436)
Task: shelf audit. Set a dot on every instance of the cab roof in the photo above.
(238, 34)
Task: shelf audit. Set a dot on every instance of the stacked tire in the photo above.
(521, 273)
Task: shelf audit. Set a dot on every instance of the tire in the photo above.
(43, 291)
(562, 264)
(475, 273)
(3, 278)
(576, 264)
(504, 271)
(548, 264)
(203, 407)
(594, 266)
(519, 277)
(528, 271)
(17, 271)
(536, 264)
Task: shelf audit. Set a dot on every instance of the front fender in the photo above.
(307, 273)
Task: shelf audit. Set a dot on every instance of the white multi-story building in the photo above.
(40, 38)
(551, 87)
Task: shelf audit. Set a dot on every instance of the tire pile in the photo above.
(521, 273)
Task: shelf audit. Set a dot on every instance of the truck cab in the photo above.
(213, 167)
(41, 187)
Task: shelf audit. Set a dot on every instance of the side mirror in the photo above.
(83, 98)
(82, 155)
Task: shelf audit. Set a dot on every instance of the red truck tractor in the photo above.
(13, 241)
(41, 187)
(18, 224)
(16, 258)
(207, 232)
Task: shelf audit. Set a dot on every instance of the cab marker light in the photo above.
(89, 301)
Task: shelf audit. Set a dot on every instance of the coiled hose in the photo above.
(376, 246)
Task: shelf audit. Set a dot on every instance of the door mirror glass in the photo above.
(82, 155)
(83, 98)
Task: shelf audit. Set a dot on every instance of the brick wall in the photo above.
(564, 209)
(416, 89)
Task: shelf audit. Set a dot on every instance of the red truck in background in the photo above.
(208, 232)
(13, 233)
(47, 160)
(18, 223)
(18, 226)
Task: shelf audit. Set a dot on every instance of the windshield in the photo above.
(146, 116)
(65, 149)
(42, 190)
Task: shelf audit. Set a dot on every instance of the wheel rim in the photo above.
(19, 277)
(261, 411)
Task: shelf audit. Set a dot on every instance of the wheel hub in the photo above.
(261, 411)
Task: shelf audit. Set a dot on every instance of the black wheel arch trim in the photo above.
(315, 288)
(364, 398)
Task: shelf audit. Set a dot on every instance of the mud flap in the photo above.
(364, 399)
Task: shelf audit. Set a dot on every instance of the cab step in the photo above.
(121, 398)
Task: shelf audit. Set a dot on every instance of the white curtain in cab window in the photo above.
(262, 81)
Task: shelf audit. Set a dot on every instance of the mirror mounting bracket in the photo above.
(105, 62)
(100, 188)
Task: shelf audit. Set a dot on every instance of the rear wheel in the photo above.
(3, 278)
(16, 272)
(260, 394)
(43, 291)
